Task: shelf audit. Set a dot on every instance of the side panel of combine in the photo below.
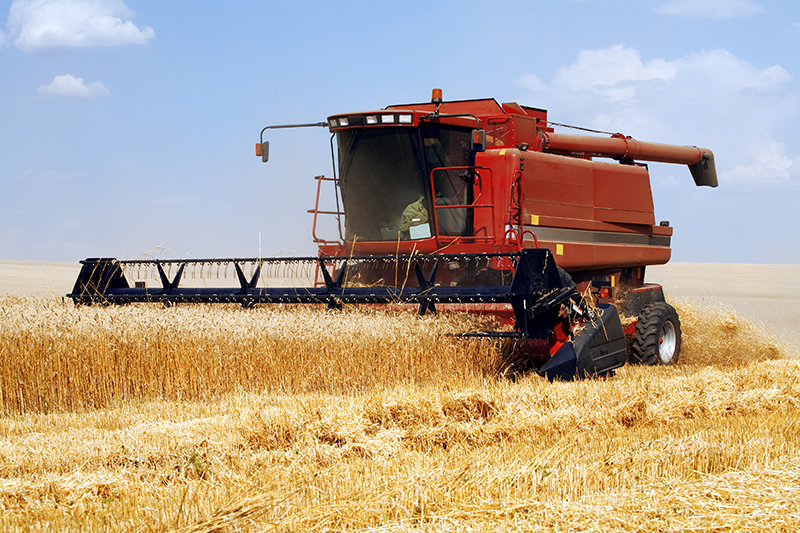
(558, 187)
(593, 215)
(622, 194)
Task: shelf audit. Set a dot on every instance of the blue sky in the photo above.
(126, 126)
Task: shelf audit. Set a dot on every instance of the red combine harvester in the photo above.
(477, 206)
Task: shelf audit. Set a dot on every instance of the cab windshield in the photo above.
(384, 178)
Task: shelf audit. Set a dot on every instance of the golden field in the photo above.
(216, 418)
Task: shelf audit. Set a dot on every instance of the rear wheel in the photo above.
(658, 335)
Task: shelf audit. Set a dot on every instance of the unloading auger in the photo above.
(467, 204)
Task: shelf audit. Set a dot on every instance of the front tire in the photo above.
(657, 340)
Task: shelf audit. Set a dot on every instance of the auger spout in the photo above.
(618, 146)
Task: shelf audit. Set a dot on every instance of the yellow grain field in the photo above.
(214, 418)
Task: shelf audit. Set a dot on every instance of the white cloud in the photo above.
(610, 66)
(728, 73)
(532, 82)
(615, 71)
(42, 24)
(69, 85)
(715, 9)
(618, 73)
(767, 163)
(618, 94)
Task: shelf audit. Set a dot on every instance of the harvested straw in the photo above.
(669, 448)
(717, 335)
(198, 419)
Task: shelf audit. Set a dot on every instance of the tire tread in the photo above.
(645, 341)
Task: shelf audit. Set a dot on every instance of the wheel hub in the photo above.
(667, 340)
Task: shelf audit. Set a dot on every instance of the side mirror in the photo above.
(262, 149)
(478, 141)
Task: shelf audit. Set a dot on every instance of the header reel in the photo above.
(555, 331)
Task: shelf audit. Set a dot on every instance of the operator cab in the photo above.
(392, 175)
(405, 173)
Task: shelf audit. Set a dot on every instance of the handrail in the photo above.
(478, 182)
(317, 212)
(522, 238)
(516, 240)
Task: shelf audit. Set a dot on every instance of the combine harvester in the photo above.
(471, 205)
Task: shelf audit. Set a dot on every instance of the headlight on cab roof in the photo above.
(340, 122)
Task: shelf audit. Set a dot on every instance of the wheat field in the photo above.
(217, 418)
